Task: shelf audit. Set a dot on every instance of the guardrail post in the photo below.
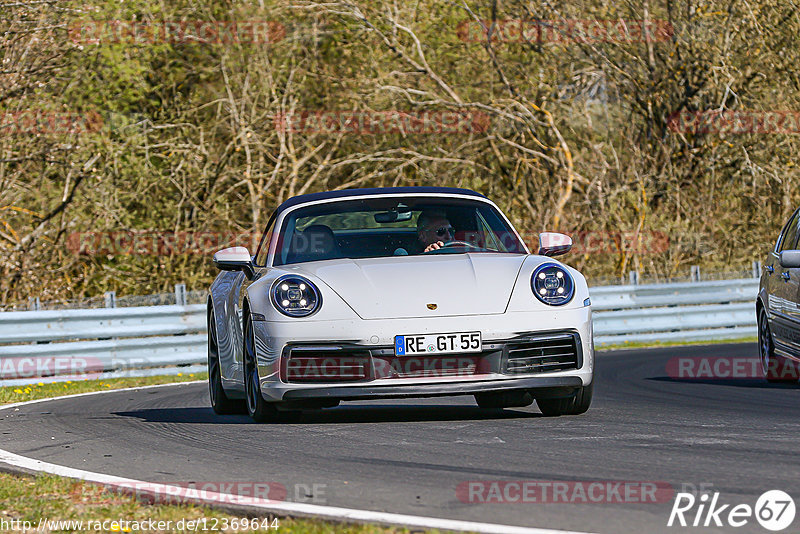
(34, 304)
(756, 269)
(111, 299)
(180, 294)
(634, 278)
(695, 273)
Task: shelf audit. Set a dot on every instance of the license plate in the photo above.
(457, 343)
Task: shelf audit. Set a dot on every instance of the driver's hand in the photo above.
(434, 246)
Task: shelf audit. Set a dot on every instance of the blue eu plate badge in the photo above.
(400, 345)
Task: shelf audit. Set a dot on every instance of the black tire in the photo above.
(258, 409)
(776, 369)
(220, 402)
(503, 399)
(575, 405)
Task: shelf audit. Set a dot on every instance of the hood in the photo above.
(403, 286)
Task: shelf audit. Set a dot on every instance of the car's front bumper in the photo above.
(549, 386)
(376, 338)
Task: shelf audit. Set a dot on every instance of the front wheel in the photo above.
(574, 405)
(259, 410)
(776, 369)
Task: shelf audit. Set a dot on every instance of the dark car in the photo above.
(778, 307)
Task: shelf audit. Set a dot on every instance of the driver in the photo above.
(434, 230)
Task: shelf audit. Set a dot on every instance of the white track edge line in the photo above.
(211, 498)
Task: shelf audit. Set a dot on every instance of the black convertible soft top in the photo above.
(344, 193)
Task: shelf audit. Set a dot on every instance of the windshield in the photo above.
(394, 226)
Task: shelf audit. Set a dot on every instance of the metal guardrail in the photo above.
(692, 311)
(62, 325)
(136, 341)
(103, 342)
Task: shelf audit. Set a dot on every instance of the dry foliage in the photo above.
(186, 136)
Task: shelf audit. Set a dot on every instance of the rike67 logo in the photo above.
(774, 510)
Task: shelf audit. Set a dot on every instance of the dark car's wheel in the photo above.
(776, 369)
(574, 405)
(220, 402)
(260, 410)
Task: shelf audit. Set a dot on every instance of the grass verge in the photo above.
(52, 498)
(57, 501)
(43, 390)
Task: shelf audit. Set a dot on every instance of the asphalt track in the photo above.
(739, 437)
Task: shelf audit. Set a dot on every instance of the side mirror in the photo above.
(790, 259)
(235, 259)
(554, 244)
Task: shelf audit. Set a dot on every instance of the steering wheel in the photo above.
(454, 244)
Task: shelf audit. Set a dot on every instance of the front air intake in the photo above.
(541, 354)
(304, 365)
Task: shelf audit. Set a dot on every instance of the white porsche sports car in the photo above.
(397, 292)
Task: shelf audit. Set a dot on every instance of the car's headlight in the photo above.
(295, 296)
(552, 284)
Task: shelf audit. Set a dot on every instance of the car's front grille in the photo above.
(555, 352)
(345, 362)
(426, 366)
(439, 369)
(324, 366)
